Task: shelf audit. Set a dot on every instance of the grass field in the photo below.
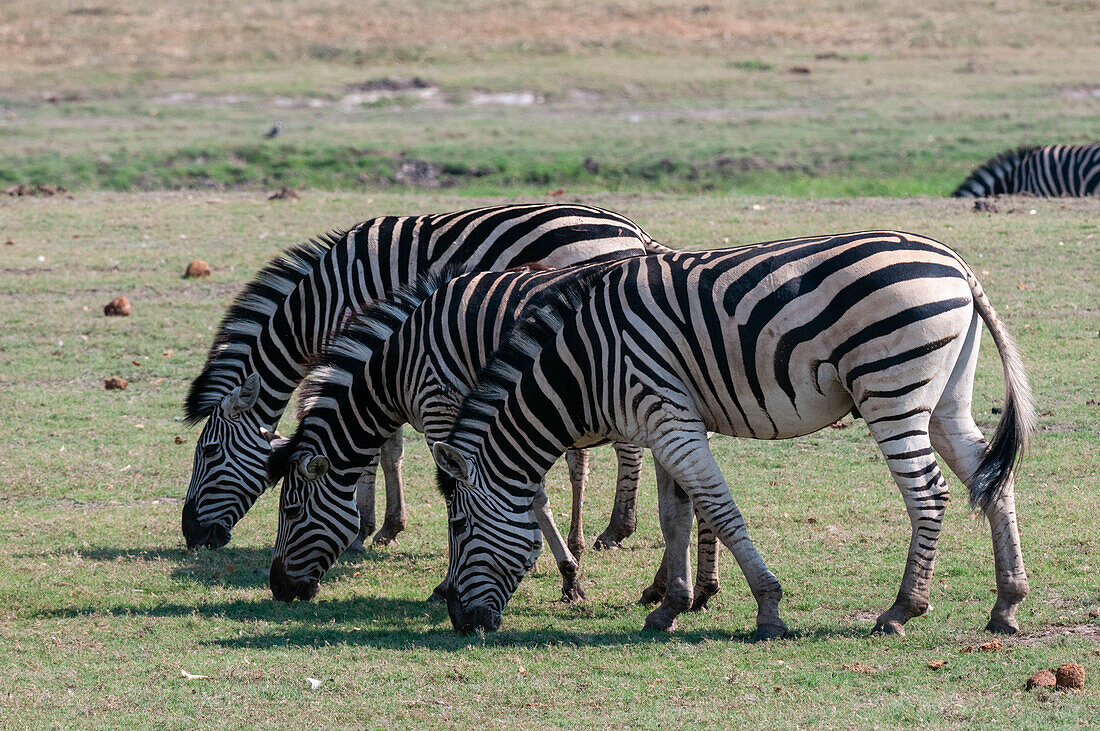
(103, 608)
(711, 124)
(785, 98)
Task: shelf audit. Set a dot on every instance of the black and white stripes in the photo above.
(767, 341)
(1051, 170)
(408, 358)
(284, 315)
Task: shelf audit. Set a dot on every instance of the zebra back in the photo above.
(1050, 170)
(284, 314)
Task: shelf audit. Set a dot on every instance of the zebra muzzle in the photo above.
(466, 622)
(197, 533)
(286, 589)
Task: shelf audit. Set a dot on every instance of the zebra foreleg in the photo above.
(364, 503)
(688, 458)
(676, 519)
(624, 515)
(393, 451)
(908, 452)
(577, 459)
(570, 570)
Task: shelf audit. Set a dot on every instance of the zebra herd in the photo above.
(513, 335)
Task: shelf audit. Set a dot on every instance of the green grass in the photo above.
(102, 607)
(899, 100)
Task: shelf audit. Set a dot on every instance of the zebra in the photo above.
(281, 319)
(1050, 170)
(408, 358)
(767, 341)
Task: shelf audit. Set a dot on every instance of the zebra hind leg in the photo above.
(396, 515)
(624, 516)
(706, 577)
(577, 459)
(364, 503)
(957, 439)
(655, 592)
(675, 511)
(908, 450)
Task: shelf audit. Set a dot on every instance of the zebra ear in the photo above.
(454, 462)
(242, 398)
(314, 467)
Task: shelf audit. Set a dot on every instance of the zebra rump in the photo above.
(1048, 171)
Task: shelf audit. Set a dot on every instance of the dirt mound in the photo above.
(118, 307)
(38, 189)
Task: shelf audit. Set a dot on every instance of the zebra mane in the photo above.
(345, 352)
(1008, 159)
(237, 332)
(536, 325)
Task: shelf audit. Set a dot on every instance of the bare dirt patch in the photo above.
(1053, 633)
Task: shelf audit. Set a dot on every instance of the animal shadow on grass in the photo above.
(383, 634)
(242, 568)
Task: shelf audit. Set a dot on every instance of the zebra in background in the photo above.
(282, 318)
(1051, 170)
(768, 341)
(408, 358)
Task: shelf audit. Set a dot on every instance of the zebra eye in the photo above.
(210, 451)
(293, 502)
(458, 524)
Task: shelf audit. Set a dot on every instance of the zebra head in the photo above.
(230, 468)
(494, 540)
(318, 517)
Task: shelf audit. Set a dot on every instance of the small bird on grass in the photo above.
(274, 131)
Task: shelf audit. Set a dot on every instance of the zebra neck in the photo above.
(524, 443)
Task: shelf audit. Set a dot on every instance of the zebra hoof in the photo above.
(889, 627)
(659, 623)
(700, 602)
(357, 546)
(651, 595)
(998, 627)
(383, 540)
(768, 632)
(572, 595)
(606, 542)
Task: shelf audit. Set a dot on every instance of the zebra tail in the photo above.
(1018, 420)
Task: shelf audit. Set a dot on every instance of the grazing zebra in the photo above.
(408, 358)
(282, 318)
(1051, 171)
(768, 341)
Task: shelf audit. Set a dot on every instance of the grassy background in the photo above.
(795, 98)
(697, 119)
(102, 607)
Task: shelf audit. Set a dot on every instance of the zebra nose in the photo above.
(194, 532)
(286, 589)
(456, 611)
(197, 533)
(281, 586)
